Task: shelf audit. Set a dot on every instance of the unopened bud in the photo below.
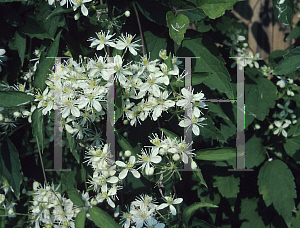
(127, 13)
(127, 153)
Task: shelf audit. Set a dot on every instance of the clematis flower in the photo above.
(128, 167)
(148, 158)
(281, 126)
(80, 3)
(170, 202)
(102, 40)
(125, 42)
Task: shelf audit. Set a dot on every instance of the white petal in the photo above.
(97, 105)
(110, 202)
(177, 201)
(162, 206)
(196, 130)
(284, 133)
(135, 173)
(112, 180)
(75, 112)
(84, 10)
(173, 210)
(156, 159)
(123, 174)
(132, 159)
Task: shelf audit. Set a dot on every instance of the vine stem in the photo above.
(140, 28)
(41, 160)
(182, 10)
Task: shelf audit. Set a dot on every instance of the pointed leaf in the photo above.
(177, 26)
(216, 154)
(14, 98)
(11, 166)
(169, 134)
(189, 211)
(80, 219)
(228, 186)
(277, 187)
(284, 11)
(102, 219)
(72, 192)
(38, 127)
(20, 42)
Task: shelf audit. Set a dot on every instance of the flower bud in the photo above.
(294, 121)
(76, 16)
(1, 117)
(127, 13)
(35, 185)
(11, 211)
(125, 122)
(162, 151)
(127, 153)
(257, 126)
(48, 188)
(271, 126)
(176, 157)
(125, 134)
(94, 201)
(193, 165)
(17, 114)
(150, 171)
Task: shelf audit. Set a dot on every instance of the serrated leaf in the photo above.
(260, 95)
(169, 134)
(216, 154)
(80, 219)
(292, 147)
(11, 166)
(72, 192)
(14, 98)
(284, 11)
(228, 186)
(177, 26)
(256, 152)
(296, 220)
(38, 127)
(277, 187)
(216, 108)
(290, 62)
(45, 64)
(102, 219)
(190, 210)
(214, 63)
(249, 214)
(20, 42)
(216, 8)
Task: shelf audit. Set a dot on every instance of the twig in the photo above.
(41, 160)
(140, 28)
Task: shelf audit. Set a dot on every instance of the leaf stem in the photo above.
(41, 160)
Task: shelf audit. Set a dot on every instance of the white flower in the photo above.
(163, 54)
(2, 58)
(281, 126)
(80, 3)
(69, 106)
(189, 97)
(170, 202)
(160, 104)
(125, 42)
(285, 108)
(195, 121)
(120, 72)
(128, 167)
(148, 158)
(105, 195)
(29, 114)
(102, 40)
(153, 223)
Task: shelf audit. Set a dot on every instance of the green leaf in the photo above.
(250, 214)
(118, 102)
(211, 61)
(153, 11)
(170, 134)
(20, 42)
(256, 152)
(290, 62)
(2, 217)
(216, 8)
(46, 64)
(228, 186)
(216, 108)
(11, 166)
(190, 210)
(12, 1)
(284, 12)
(80, 219)
(292, 147)
(194, 15)
(102, 219)
(59, 10)
(125, 145)
(260, 95)
(71, 141)
(72, 192)
(154, 44)
(14, 98)
(197, 78)
(177, 26)
(295, 33)
(216, 154)
(296, 220)
(34, 28)
(200, 176)
(277, 187)
(38, 127)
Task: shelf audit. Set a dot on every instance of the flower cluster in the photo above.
(2, 58)
(142, 211)
(50, 209)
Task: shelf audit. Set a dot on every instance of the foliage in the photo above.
(163, 122)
